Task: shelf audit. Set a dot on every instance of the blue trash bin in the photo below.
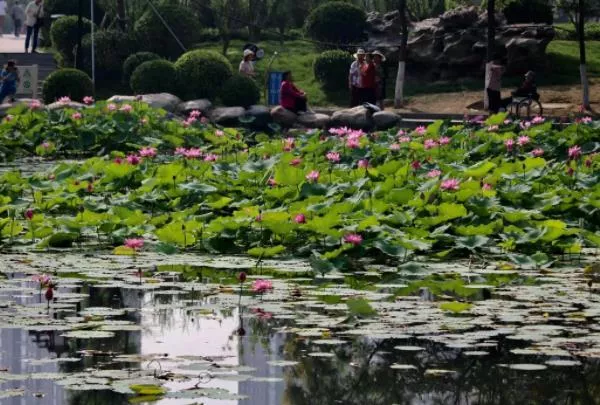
(274, 84)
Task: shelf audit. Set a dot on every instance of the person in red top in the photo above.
(369, 82)
(291, 97)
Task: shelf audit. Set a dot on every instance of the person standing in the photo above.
(34, 19)
(494, 85)
(369, 83)
(355, 79)
(380, 78)
(2, 15)
(246, 65)
(18, 16)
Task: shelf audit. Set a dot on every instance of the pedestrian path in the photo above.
(10, 44)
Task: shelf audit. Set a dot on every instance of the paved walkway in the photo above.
(10, 44)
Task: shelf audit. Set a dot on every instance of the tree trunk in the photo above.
(121, 15)
(399, 93)
(582, 56)
(491, 45)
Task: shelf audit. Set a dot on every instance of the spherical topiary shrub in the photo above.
(154, 37)
(201, 74)
(135, 60)
(155, 76)
(112, 48)
(71, 83)
(241, 91)
(336, 23)
(331, 69)
(64, 34)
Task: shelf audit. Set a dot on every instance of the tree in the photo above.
(491, 42)
(571, 8)
(399, 93)
(582, 58)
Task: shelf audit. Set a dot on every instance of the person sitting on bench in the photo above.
(291, 97)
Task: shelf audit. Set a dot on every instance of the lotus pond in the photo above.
(152, 259)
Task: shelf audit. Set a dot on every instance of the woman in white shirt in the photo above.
(2, 15)
(34, 14)
(246, 65)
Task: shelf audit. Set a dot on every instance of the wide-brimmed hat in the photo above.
(360, 51)
(380, 54)
(248, 52)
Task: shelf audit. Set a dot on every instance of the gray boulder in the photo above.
(315, 120)
(385, 119)
(357, 118)
(202, 105)
(71, 104)
(121, 99)
(283, 117)
(227, 116)
(459, 18)
(166, 101)
(260, 116)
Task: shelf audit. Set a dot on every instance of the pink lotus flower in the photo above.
(509, 143)
(538, 120)
(111, 107)
(434, 173)
(507, 121)
(88, 100)
(195, 114)
(272, 182)
(450, 185)
(42, 279)
(401, 133)
(64, 100)
(126, 108)
(35, 104)
(193, 153)
(134, 243)
(493, 128)
(525, 125)
(486, 187)
(404, 139)
(395, 147)
(29, 214)
(523, 140)
(262, 286)
(295, 162)
(148, 152)
(300, 219)
(444, 140)
(333, 157)
(353, 143)
(421, 130)
(211, 157)
(289, 144)
(416, 165)
(430, 144)
(133, 160)
(190, 121)
(574, 152)
(537, 152)
(586, 120)
(313, 176)
(76, 116)
(219, 133)
(353, 238)
(46, 145)
(363, 164)
(180, 151)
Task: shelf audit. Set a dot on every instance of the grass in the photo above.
(298, 56)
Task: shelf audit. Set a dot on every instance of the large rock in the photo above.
(385, 119)
(122, 99)
(357, 118)
(202, 105)
(59, 105)
(166, 101)
(454, 44)
(283, 117)
(227, 116)
(260, 116)
(314, 120)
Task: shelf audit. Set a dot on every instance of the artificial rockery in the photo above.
(520, 191)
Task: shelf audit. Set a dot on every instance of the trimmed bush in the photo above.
(64, 34)
(201, 74)
(331, 69)
(155, 76)
(66, 8)
(240, 90)
(112, 48)
(154, 37)
(71, 83)
(337, 24)
(135, 60)
(529, 11)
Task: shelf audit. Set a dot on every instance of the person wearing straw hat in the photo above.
(369, 81)
(355, 78)
(246, 66)
(380, 76)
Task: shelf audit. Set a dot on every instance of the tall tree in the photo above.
(399, 93)
(582, 59)
(491, 45)
(121, 15)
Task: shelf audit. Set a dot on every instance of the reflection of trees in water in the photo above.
(361, 374)
(96, 398)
